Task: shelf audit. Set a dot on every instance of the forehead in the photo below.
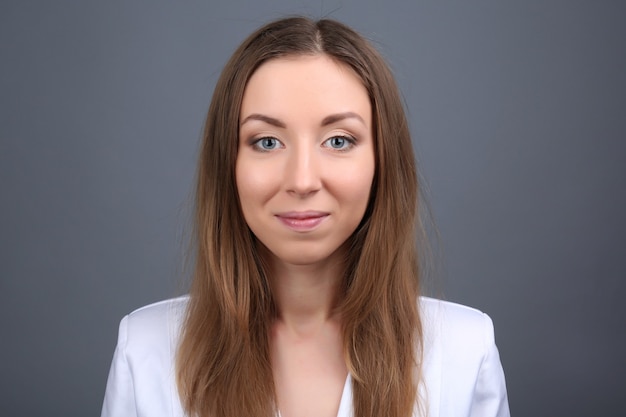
(305, 84)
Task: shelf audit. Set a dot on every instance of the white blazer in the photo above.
(461, 368)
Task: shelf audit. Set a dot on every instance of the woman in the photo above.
(305, 299)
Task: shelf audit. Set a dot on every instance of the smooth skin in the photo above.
(304, 172)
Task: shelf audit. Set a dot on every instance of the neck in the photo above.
(306, 294)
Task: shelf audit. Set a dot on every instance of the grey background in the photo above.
(518, 115)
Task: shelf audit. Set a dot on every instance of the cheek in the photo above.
(355, 185)
(255, 183)
(245, 183)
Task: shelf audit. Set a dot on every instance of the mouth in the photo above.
(302, 221)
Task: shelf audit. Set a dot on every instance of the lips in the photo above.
(302, 221)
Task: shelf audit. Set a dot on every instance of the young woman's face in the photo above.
(305, 163)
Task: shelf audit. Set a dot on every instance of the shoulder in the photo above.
(461, 365)
(159, 311)
(153, 325)
(455, 321)
(459, 335)
(142, 378)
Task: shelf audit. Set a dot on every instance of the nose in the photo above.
(302, 173)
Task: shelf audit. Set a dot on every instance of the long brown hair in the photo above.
(223, 363)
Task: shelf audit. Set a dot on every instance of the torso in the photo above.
(309, 371)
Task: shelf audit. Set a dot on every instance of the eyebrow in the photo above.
(334, 118)
(269, 120)
(328, 120)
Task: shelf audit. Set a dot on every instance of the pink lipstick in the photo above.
(302, 221)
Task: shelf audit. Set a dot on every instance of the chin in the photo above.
(298, 255)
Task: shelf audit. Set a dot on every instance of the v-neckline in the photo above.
(345, 403)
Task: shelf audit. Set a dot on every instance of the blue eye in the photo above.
(266, 144)
(339, 142)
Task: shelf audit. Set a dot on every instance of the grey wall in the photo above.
(517, 109)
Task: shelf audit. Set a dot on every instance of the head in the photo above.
(394, 189)
(229, 372)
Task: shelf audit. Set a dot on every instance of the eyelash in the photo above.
(350, 141)
(257, 143)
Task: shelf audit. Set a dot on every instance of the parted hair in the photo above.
(223, 365)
